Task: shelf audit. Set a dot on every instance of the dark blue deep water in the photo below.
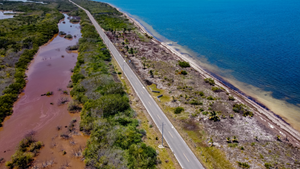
(257, 40)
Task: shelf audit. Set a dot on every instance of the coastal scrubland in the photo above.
(222, 131)
(106, 115)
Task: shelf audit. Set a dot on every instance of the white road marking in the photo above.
(170, 134)
(158, 117)
(186, 157)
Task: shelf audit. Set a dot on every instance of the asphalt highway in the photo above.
(182, 152)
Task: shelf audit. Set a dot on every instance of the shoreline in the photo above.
(278, 123)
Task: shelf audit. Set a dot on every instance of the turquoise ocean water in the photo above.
(255, 41)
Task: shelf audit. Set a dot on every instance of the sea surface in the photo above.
(255, 43)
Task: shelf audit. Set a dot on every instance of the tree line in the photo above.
(115, 141)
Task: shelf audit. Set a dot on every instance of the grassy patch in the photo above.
(165, 98)
(210, 157)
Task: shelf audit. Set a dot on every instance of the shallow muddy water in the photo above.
(49, 71)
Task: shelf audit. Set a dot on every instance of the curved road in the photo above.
(182, 152)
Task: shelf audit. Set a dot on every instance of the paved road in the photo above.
(182, 152)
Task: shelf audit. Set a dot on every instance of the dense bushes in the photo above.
(217, 89)
(115, 141)
(178, 110)
(196, 102)
(210, 81)
(27, 150)
(184, 64)
(108, 17)
(243, 165)
(240, 108)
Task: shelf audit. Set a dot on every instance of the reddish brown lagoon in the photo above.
(49, 71)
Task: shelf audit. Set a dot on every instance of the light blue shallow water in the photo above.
(258, 40)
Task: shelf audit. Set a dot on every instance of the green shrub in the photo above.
(151, 73)
(76, 77)
(183, 72)
(231, 98)
(68, 36)
(74, 107)
(49, 93)
(210, 81)
(195, 114)
(235, 140)
(243, 165)
(35, 146)
(210, 98)
(228, 140)
(241, 108)
(216, 89)
(112, 104)
(268, 165)
(27, 150)
(214, 116)
(232, 145)
(201, 93)
(183, 64)
(205, 113)
(62, 33)
(195, 102)
(74, 20)
(178, 110)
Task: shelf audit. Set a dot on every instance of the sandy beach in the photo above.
(267, 117)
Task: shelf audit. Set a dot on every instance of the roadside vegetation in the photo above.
(115, 140)
(109, 18)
